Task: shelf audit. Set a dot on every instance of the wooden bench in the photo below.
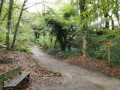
(16, 81)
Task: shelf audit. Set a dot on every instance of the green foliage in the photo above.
(39, 75)
(72, 53)
(23, 40)
(24, 35)
(54, 28)
(2, 37)
(58, 32)
(32, 65)
(23, 48)
(98, 49)
(57, 73)
(62, 30)
(68, 11)
(46, 41)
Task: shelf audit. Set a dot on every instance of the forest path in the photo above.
(74, 78)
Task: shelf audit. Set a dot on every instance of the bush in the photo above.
(26, 48)
(73, 52)
(46, 41)
(98, 49)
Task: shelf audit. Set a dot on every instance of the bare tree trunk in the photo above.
(82, 10)
(113, 26)
(107, 21)
(105, 11)
(117, 14)
(1, 6)
(17, 25)
(85, 42)
(9, 23)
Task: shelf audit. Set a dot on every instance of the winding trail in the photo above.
(74, 78)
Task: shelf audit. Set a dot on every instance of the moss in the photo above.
(57, 73)
(32, 65)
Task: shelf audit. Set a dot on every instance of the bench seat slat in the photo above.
(17, 80)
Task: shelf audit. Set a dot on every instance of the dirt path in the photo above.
(74, 78)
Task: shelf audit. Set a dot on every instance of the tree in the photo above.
(9, 23)
(116, 11)
(84, 26)
(58, 32)
(1, 6)
(17, 25)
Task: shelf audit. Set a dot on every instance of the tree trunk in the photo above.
(9, 24)
(85, 42)
(17, 25)
(107, 21)
(84, 27)
(117, 12)
(113, 26)
(1, 6)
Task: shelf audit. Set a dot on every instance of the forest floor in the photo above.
(94, 65)
(74, 77)
(39, 76)
(42, 67)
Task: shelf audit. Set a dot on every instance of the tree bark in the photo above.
(107, 21)
(9, 24)
(85, 42)
(113, 26)
(17, 25)
(1, 6)
(117, 12)
(84, 27)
